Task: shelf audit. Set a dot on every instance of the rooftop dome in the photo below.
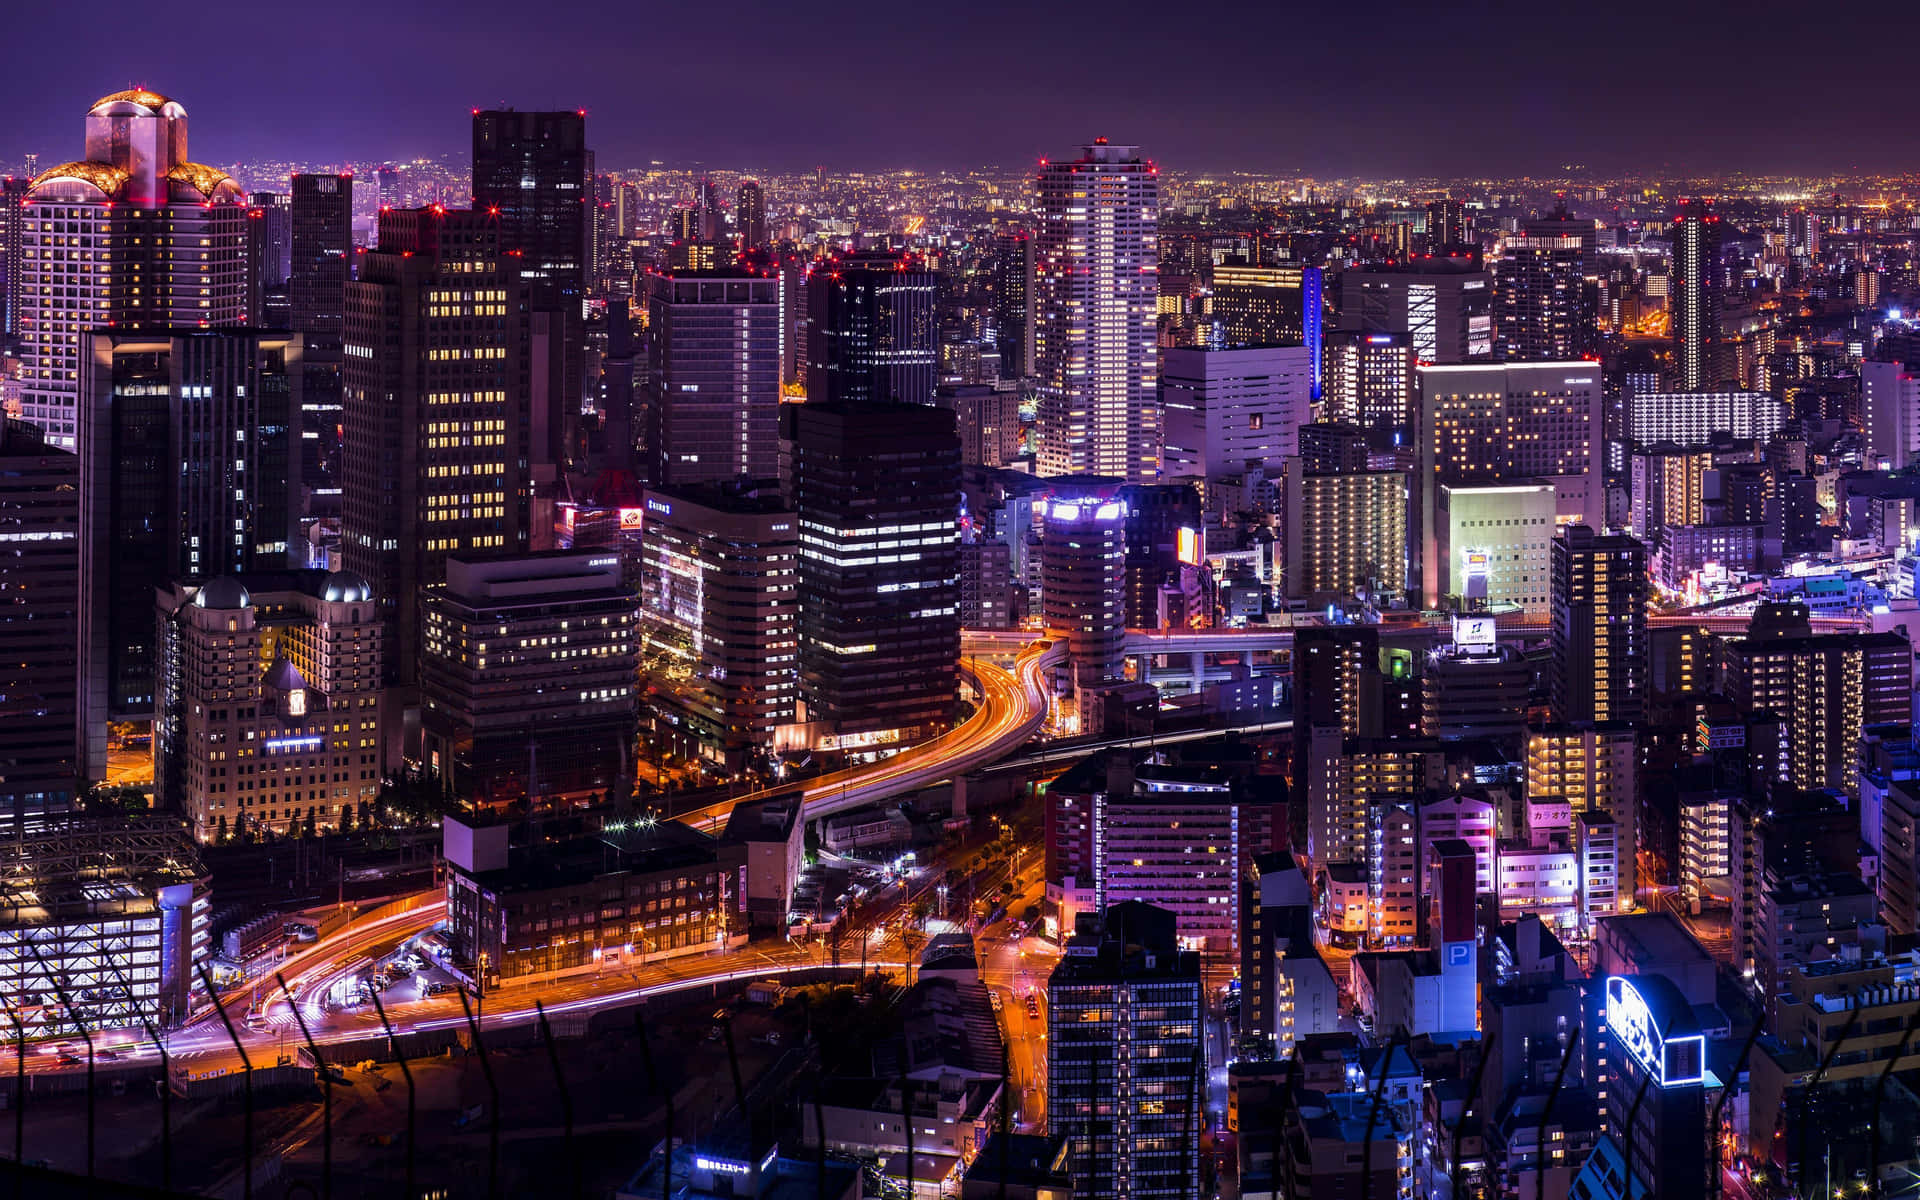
(103, 177)
(224, 592)
(207, 181)
(153, 102)
(347, 586)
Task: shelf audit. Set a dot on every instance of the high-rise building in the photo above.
(1599, 634)
(1163, 531)
(750, 215)
(13, 206)
(1592, 767)
(437, 428)
(1095, 305)
(1224, 411)
(1508, 423)
(527, 682)
(872, 330)
(39, 622)
(1126, 1066)
(187, 438)
(1890, 401)
(1654, 414)
(1346, 532)
(1271, 306)
(876, 490)
(1083, 561)
(709, 217)
(1012, 284)
(269, 252)
(288, 670)
(1449, 225)
(1693, 296)
(1669, 484)
(713, 370)
(1443, 305)
(1653, 1068)
(1369, 382)
(988, 415)
(1543, 306)
(534, 172)
(170, 248)
(320, 238)
(719, 593)
(1490, 545)
(1825, 687)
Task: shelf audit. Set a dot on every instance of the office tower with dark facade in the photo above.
(876, 488)
(1693, 296)
(534, 168)
(1271, 306)
(1012, 283)
(39, 621)
(435, 458)
(170, 248)
(1095, 305)
(713, 377)
(873, 331)
(1126, 1069)
(1368, 381)
(1599, 635)
(1542, 307)
(750, 215)
(1163, 523)
(320, 236)
(269, 250)
(527, 680)
(186, 473)
(1443, 305)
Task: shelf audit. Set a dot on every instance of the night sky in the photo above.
(1441, 88)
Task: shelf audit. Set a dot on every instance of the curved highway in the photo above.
(1013, 706)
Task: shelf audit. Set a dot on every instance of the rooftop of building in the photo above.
(946, 1025)
(1021, 1160)
(1650, 939)
(1131, 940)
(770, 820)
(639, 848)
(77, 866)
(744, 496)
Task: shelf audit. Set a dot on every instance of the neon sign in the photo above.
(1674, 1062)
(726, 1166)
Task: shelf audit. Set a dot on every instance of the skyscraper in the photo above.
(534, 170)
(171, 247)
(1012, 284)
(872, 330)
(876, 490)
(713, 371)
(1369, 382)
(1225, 411)
(1443, 305)
(187, 439)
(1693, 296)
(435, 458)
(750, 215)
(320, 237)
(1083, 587)
(1599, 636)
(39, 621)
(13, 204)
(1543, 309)
(1126, 1068)
(1095, 314)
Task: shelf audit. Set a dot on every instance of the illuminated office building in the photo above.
(1509, 423)
(750, 215)
(1693, 296)
(872, 330)
(133, 235)
(188, 440)
(39, 621)
(527, 681)
(1599, 633)
(1369, 382)
(876, 491)
(1543, 308)
(1443, 305)
(435, 459)
(270, 703)
(719, 612)
(1012, 284)
(713, 377)
(1347, 532)
(320, 264)
(1095, 304)
(1491, 545)
(1083, 558)
(1652, 1084)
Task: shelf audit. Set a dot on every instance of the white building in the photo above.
(1689, 418)
(1096, 301)
(1703, 847)
(1495, 545)
(1890, 395)
(1224, 410)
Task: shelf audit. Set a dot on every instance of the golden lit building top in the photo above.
(105, 177)
(209, 182)
(153, 102)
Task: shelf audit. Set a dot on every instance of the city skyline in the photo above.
(1296, 108)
